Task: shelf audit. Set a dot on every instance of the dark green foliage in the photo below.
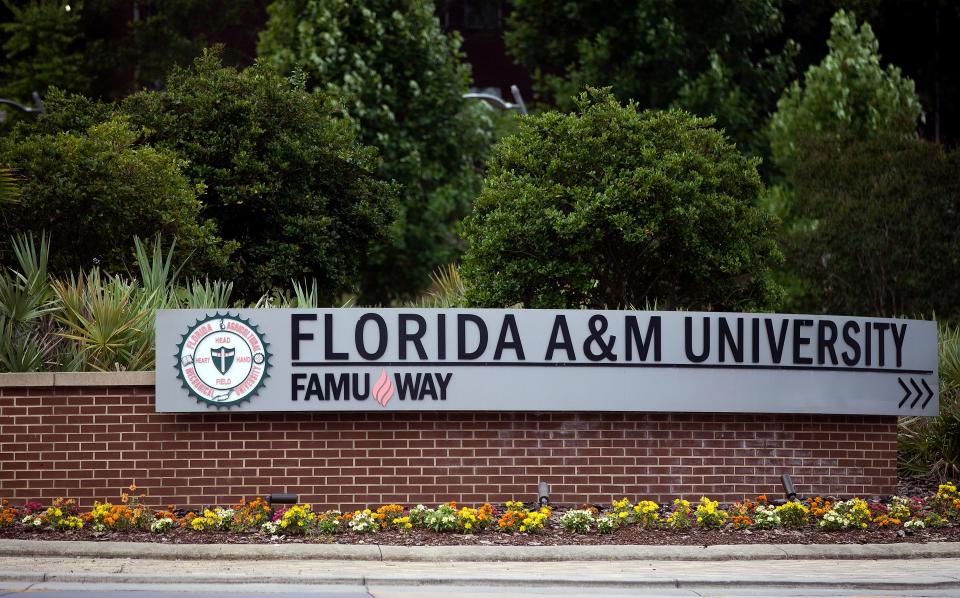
(42, 46)
(849, 93)
(878, 225)
(94, 190)
(720, 58)
(402, 80)
(285, 179)
(612, 206)
(109, 48)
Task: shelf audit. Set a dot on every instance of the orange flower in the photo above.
(124, 497)
(133, 486)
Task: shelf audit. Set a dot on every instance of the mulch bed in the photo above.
(553, 536)
(549, 537)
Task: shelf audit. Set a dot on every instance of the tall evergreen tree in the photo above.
(43, 46)
(402, 79)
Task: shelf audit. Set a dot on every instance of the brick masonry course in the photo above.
(87, 437)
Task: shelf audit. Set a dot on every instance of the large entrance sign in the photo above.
(334, 360)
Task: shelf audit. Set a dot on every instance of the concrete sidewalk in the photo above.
(891, 574)
(377, 552)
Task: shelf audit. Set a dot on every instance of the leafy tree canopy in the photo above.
(723, 58)
(613, 206)
(109, 48)
(286, 179)
(884, 225)
(402, 79)
(42, 46)
(848, 93)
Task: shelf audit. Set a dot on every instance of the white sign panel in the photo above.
(542, 360)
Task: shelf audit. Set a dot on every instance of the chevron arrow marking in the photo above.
(919, 392)
(929, 393)
(906, 393)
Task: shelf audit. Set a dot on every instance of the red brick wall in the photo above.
(91, 442)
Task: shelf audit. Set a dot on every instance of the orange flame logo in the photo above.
(383, 389)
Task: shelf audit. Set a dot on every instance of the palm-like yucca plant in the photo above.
(306, 295)
(9, 190)
(157, 275)
(447, 289)
(110, 318)
(27, 302)
(198, 294)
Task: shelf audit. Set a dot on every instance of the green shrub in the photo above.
(402, 78)
(94, 190)
(285, 178)
(611, 206)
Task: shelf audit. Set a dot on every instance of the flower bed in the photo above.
(816, 520)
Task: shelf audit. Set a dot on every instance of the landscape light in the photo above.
(788, 488)
(544, 493)
(282, 499)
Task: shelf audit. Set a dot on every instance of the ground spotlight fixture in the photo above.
(544, 494)
(282, 499)
(788, 488)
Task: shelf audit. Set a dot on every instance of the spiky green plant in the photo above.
(306, 295)
(110, 318)
(9, 191)
(446, 290)
(157, 275)
(27, 302)
(205, 293)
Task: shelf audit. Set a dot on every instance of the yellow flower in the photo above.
(467, 526)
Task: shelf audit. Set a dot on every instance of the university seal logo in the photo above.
(222, 360)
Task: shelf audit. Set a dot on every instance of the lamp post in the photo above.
(37, 107)
(517, 103)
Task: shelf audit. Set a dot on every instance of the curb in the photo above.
(376, 552)
(618, 581)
